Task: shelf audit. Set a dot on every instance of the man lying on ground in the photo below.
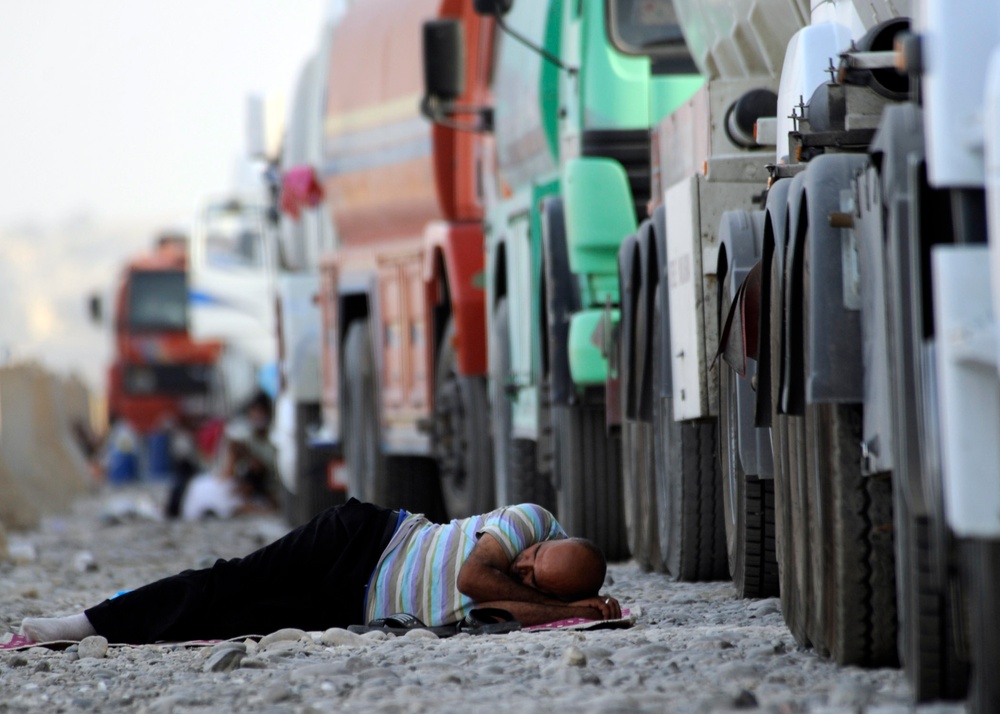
(355, 563)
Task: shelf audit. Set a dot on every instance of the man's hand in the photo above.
(607, 606)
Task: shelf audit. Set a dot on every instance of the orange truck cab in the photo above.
(402, 298)
(158, 371)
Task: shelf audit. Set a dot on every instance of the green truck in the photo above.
(571, 110)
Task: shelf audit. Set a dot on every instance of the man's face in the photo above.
(553, 567)
(522, 568)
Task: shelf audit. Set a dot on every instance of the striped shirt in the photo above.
(418, 571)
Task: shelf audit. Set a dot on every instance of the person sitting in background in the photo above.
(358, 562)
(249, 458)
(244, 479)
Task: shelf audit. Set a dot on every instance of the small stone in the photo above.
(574, 657)
(420, 635)
(22, 553)
(289, 634)
(225, 646)
(94, 646)
(745, 700)
(850, 694)
(376, 636)
(252, 663)
(224, 660)
(83, 562)
(18, 661)
(339, 637)
(771, 606)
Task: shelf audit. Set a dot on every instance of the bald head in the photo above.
(570, 569)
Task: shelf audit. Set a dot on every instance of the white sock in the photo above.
(47, 629)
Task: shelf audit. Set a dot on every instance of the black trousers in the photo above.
(312, 578)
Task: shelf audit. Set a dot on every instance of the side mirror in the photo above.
(95, 307)
(495, 8)
(444, 64)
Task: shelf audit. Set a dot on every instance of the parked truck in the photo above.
(159, 372)
(832, 320)
(401, 290)
(569, 107)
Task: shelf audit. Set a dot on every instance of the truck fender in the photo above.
(455, 259)
(775, 215)
(628, 264)
(739, 233)
(644, 320)
(741, 238)
(562, 300)
(660, 236)
(834, 319)
(792, 399)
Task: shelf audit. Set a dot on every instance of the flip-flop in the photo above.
(489, 621)
(399, 624)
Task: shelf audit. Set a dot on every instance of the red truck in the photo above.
(402, 297)
(158, 371)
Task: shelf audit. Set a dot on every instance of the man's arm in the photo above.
(485, 576)
(534, 613)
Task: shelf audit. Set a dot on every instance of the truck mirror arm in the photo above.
(442, 112)
(545, 54)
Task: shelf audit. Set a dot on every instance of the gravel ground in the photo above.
(695, 648)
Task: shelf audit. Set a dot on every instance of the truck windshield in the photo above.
(649, 27)
(234, 236)
(157, 300)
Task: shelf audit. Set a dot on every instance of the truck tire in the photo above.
(409, 482)
(982, 566)
(852, 616)
(515, 463)
(789, 520)
(589, 498)
(463, 445)
(692, 536)
(368, 476)
(927, 642)
(748, 502)
(638, 458)
(311, 496)
(856, 580)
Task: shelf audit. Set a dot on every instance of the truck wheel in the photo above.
(857, 583)
(463, 445)
(516, 466)
(367, 470)
(800, 542)
(589, 499)
(852, 613)
(692, 537)
(788, 519)
(638, 460)
(409, 482)
(982, 565)
(748, 502)
(927, 642)
(312, 496)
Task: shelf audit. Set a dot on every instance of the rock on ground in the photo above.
(696, 648)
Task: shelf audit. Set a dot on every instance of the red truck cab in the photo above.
(158, 371)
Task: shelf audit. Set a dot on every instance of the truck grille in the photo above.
(630, 148)
(171, 379)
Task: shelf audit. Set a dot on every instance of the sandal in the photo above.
(399, 624)
(488, 621)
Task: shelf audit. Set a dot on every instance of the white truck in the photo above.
(838, 335)
(255, 284)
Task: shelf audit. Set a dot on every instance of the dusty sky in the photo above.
(133, 109)
(116, 118)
